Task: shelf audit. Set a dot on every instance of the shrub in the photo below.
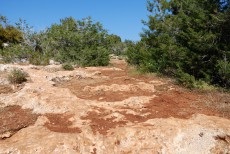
(37, 58)
(17, 76)
(186, 79)
(189, 81)
(67, 66)
(81, 42)
(134, 54)
(14, 53)
(95, 57)
(223, 67)
(199, 49)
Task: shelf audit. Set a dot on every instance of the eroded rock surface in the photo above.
(109, 110)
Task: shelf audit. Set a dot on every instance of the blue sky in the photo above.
(120, 17)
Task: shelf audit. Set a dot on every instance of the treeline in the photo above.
(81, 42)
(188, 40)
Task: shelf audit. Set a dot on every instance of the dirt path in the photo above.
(109, 109)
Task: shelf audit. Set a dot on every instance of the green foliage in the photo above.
(223, 67)
(78, 41)
(19, 49)
(134, 54)
(67, 66)
(15, 53)
(9, 33)
(189, 81)
(18, 53)
(17, 76)
(187, 40)
(37, 58)
(82, 42)
(115, 45)
(30, 38)
(95, 57)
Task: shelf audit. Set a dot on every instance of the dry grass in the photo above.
(219, 101)
(17, 76)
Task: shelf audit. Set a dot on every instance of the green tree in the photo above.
(9, 33)
(72, 41)
(187, 38)
(28, 34)
(114, 44)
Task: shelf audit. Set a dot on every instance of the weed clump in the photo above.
(17, 76)
(67, 66)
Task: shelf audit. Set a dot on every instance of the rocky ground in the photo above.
(109, 110)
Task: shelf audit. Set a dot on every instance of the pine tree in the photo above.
(188, 38)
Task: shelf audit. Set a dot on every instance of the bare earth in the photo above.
(109, 110)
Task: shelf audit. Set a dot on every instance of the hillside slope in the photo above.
(108, 110)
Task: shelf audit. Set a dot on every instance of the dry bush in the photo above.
(17, 76)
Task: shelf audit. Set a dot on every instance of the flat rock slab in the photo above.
(109, 110)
